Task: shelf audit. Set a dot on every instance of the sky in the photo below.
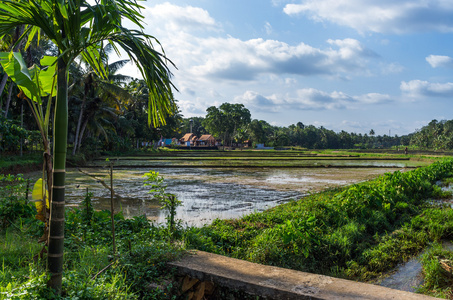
(352, 65)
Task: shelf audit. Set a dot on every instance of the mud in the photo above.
(206, 193)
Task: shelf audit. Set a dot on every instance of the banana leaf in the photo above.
(37, 197)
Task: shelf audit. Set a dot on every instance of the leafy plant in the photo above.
(357, 231)
(13, 202)
(437, 268)
(168, 201)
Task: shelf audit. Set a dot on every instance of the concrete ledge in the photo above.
(278, 283)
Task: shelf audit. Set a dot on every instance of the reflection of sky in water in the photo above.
(291, 178)
(202, 201)
(208, 201)
(205, 193)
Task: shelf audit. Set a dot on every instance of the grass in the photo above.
(16, 251)
(28, 161)
(90, 270)
(357, 232)
(258, 159)
(437, 266)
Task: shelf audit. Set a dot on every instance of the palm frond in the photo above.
(154, 69)
(115, 90)
(114, 67)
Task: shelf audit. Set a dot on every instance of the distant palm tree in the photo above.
(79, 28)
(110, 89)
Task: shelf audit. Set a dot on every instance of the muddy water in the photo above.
(207, 194)
(282, 162)
(409, 276)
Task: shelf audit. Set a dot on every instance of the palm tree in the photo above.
(79, 28)
(110, 88)
(17, 31)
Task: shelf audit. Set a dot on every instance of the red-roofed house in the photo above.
(206, 140)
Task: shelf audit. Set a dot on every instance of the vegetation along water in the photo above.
(357, 232)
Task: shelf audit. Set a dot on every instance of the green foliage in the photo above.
(143, 250)
(32, 289)
(88, 210)
(20, 278)
(34, 82)
(11, 134)
(437, 268)
(13, 202)
(226, 121)
(437, 135)
(356, 232)
(168, 201)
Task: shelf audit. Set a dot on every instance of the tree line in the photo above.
(232, 123)
(111, 113)
(437, 135)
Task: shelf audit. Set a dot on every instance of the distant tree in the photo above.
(259, 131)
(215, 121)
(226, 120)
(197, 126)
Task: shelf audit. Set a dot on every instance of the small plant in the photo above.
(168, 201)
(438, 269)
(88, 210)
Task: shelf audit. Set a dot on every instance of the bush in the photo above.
(13, 202)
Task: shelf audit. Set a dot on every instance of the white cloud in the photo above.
(419, 88)
(440, 61)
(204, 56)
(193, 108)
(391, 68)
(268, 28)
(177, 18)
(385, 16)
(234, 59)
(290, 81)
(258, 102)
(308, 99)
(353, 124)
(373, 98)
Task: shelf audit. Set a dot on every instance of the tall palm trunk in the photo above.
(88, 87)
(82, 133)
(3, 84)
(8, 99)
(79, 123)
(56, 223)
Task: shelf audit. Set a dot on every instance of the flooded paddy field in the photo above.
(210, 192)
(270, 162)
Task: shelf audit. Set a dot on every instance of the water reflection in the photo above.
(207, 193)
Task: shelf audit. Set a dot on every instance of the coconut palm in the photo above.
(110, 88)
(79, 28)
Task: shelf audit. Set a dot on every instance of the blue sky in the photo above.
(352, 65)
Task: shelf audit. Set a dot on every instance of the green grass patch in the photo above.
(21, 163)
(355, 232)
(437, 268)
(90, 269)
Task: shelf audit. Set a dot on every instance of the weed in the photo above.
(437, 268)
(355, 232)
